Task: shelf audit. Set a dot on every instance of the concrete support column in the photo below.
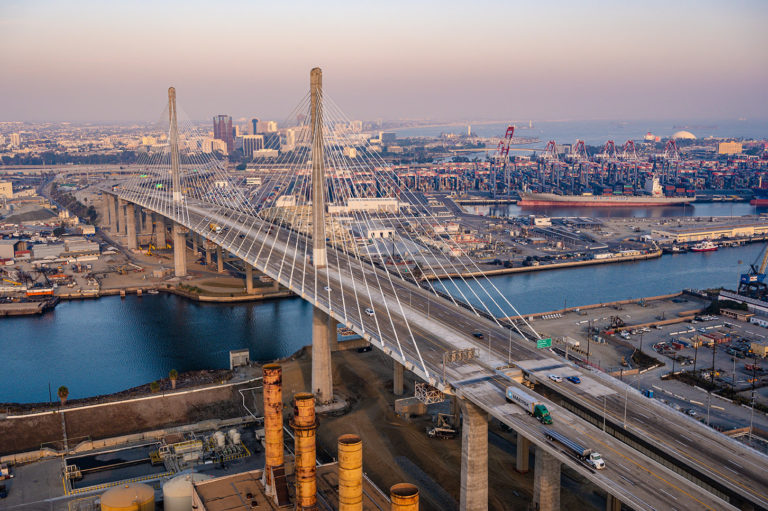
(130, 226)
(105, 222)
(208, 254)
(322, 370)
(219, 260)
(333, 336)
(398, 386)
(179, 250)
(612, 503)
(120, 216)
(523, 454)
(248, 279)
(474, 458)
(194, 245)
(546, 482)
(160, 240)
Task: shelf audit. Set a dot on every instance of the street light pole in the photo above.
(603, 412)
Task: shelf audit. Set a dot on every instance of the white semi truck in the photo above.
(532, 405)
(591, 458)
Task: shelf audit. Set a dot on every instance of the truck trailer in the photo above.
(531, 405)
(593, 459)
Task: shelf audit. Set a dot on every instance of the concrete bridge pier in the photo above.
(219, 259)
(474, 458)
(179, 250)
(120, 216)
(130, 226)
(546, 482)
(612, 503)
(248, 278)
(208, 253)
(160, 241)
(522, 464)
(322, 369)
(194, 245)
(106, 218)
(398, 385)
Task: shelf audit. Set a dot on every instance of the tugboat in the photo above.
(704, 246)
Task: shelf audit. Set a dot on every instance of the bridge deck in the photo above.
(403, 310)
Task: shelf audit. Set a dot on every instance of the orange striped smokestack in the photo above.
(404, 497)
(304, 425)
(272, 375)
(350, 473)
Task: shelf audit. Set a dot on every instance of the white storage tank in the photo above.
(220, 439)
(177, 493)
(234, 436)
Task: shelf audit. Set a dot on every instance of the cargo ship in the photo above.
(655, 197)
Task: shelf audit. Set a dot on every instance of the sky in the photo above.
(80, 60)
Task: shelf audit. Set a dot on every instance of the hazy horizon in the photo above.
(88, 61)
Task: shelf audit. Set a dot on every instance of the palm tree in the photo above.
(63, 393)
(154, 386)
(173, 375)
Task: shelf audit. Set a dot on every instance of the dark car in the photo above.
(479, 335)
(573, 379)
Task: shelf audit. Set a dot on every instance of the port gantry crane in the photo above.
(501, 160)
(752, 284)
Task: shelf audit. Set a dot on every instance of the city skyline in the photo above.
(92, 62)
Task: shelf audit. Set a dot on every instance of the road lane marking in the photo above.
(641, 467)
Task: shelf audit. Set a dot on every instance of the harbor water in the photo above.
(107, 345)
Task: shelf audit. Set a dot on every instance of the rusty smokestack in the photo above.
(350, 473)
(404, 497)
(272, 375)
(304, 425)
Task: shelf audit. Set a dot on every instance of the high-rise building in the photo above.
(252, 143)
(16, 139)
(222, 130)
(255, 124)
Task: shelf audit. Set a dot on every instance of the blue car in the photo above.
(573, 379)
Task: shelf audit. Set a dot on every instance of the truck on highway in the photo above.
(531, 405)
(214, 227)
(591, 458)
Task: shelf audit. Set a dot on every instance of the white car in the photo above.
(555, 378)
(327, 288)
(369, 311)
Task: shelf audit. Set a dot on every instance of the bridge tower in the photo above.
(323, 327)
(179, 231)
(319, 253)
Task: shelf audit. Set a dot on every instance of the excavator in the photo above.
(752, 284)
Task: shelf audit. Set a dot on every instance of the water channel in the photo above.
(110, 344)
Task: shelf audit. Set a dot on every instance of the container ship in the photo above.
(655, 197)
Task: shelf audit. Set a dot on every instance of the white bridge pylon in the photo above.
(373, 260)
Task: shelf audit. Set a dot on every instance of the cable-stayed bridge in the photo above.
(330, 221)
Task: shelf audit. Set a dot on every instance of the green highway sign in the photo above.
(544, 343)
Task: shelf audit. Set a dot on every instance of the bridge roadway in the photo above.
(439, 326)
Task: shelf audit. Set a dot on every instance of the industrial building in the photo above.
(729, 148)
(700, 233)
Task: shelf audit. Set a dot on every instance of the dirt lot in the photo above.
(398, 451)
